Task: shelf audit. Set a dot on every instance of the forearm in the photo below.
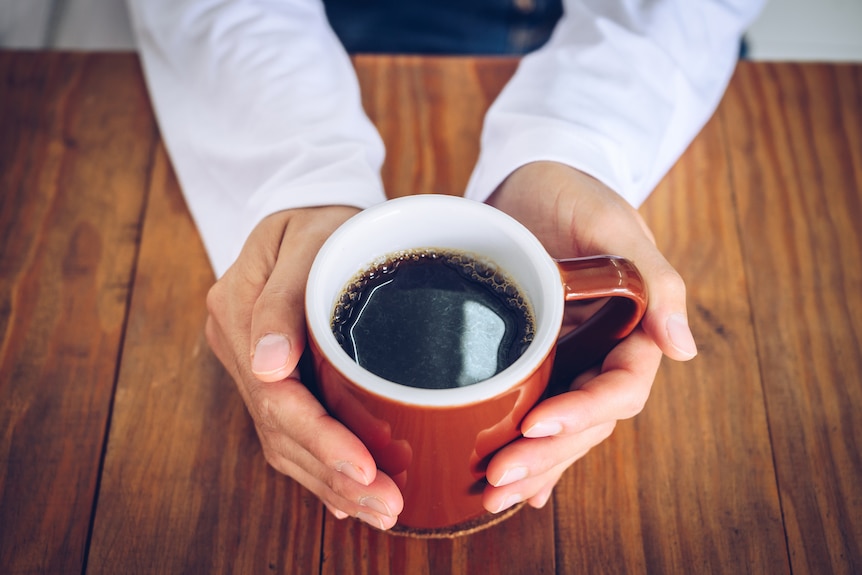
(618, 92)
(259, 107)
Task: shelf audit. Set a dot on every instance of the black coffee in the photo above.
(433, 319)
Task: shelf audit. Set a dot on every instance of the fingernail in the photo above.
(512, 475)
(270, 354)
(509, 501)
(371, 519)
(352, 472)
(541, 499)
(544, 429)
(375, 504)
(339, 514)
(680, 335)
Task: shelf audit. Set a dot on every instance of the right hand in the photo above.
(575, 215)
(256, 327)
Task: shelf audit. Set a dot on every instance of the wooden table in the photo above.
(125, 448)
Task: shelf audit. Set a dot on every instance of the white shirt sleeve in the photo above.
(619, 91)
(259, 107)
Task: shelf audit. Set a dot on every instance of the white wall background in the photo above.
(808, 30)
(824, 30)
(65, 24)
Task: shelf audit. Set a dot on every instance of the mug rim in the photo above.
(547, 329)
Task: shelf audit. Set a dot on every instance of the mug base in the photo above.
(461, 529)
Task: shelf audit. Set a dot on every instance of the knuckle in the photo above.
(215, 298)
(272, 459)
(609, 429)
(277, 457)
(211, 332)
(266, 412)
(668, 281)
(333, 484)
(633, 404)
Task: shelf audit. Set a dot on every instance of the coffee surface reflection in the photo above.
(433, 319)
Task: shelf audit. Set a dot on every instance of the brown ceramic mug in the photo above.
(436, 443)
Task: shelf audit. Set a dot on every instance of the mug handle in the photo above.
(593, 277)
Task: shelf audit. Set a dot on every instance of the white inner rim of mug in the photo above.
(445, 222)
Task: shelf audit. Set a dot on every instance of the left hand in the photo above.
(256, 328)
(575, 215)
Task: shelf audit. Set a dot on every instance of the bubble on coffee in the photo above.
(433, 318)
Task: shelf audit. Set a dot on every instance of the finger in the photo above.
(536, 486)
(666, 318)
(291, 417)
(531, 458)
(219, 345)
(619, 392)
(540, 499)
(372, 504)
(328, 459)
(301, 440)
(278, 317)
(585, 376)
(278, 321)
(339, 478)
(338, 513)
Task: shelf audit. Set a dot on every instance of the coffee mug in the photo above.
(436, 443)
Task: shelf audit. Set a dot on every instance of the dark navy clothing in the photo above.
(443, 26)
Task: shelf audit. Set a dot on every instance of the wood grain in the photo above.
(523, 544)
(429, 113)
(746, 459)
(185, 488)
(75, 150)
(798, 188)
(687, 486)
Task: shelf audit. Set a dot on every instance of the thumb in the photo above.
(666, 320)
(278, 332)
(271, 358)
(278, 318)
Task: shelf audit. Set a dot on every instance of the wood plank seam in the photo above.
(122, 345)
(724, 122)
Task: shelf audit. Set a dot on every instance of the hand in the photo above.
(575, 215)
(256, 327)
